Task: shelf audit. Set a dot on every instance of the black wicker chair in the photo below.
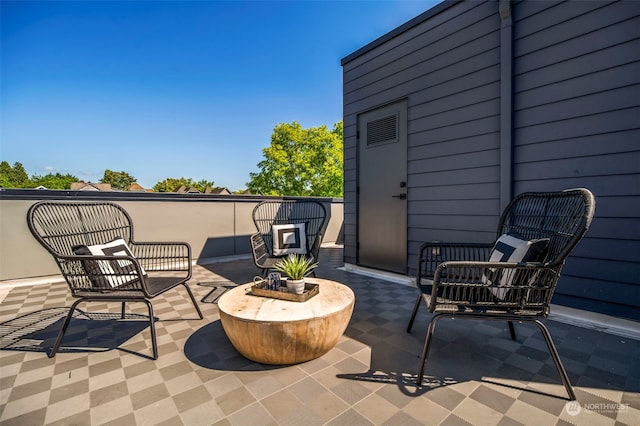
(266, 214)
(466, 280)
(93, 245)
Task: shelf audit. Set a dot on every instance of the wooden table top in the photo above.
(332, 297)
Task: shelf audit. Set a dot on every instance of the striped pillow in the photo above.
(511, 248)
(113, 273)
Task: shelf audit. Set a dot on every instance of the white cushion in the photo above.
(511, 248)
(289, 238)
(116, 273)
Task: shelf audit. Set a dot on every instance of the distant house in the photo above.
(449, 116)
(218, 191)
(89, 186)
(184, 190)
(135, 187)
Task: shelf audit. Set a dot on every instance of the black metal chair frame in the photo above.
(450, 275)
(155, 267)
(279, 212)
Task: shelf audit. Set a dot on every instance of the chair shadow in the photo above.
(238, 271)
(87, 332)
(218, 288)
(406, 382)
(449, 363)
(387, 365)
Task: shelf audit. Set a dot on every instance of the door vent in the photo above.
(383, 130)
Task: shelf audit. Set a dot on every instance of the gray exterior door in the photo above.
(382, 188)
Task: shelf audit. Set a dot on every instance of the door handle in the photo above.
(401, 196)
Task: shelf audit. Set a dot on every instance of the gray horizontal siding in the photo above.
(611, 122)
(451, 94)
(614, 56)
(433, 55)
(582, 105)
(576, 118)
(446, 206)
(420, 78)
(601, 290)
(604, 271)
(424, 34)
(601, 165)
(479, 155)
(621, 76)
(480, 164)
(445, 151)
(466, 127)
(545, 42)
(577, 123)
(598, 144)
(443, 192)
(623, 185)
(446, 69)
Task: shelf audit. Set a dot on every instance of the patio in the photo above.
(475, 375)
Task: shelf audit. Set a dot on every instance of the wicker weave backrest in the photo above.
(59, 226)
(279, 212)
(563, 217)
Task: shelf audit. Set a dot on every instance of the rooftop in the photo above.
(475, 374)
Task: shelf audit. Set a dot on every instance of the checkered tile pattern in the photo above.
(475, 374)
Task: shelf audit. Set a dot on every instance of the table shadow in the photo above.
(209, 347)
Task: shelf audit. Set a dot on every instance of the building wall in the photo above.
(448, 70)
(575, 123)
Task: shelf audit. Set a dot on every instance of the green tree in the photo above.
(51, 181)
(202, 185)
(13, 177)
(302, 162)
(5, 175)
(173, 184)
(118, 180)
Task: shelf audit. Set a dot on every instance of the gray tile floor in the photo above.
(476, 374)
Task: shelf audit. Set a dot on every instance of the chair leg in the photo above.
(556, 360)
(512, 330)
(63, 330)
(427, 344)
(415, 311)
(193, 300)
(122, 315)
(152, 327)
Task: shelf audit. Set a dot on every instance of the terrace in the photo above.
(543, 92)
(476, 374)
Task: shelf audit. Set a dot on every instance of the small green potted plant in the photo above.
(296, 267)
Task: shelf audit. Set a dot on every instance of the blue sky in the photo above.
(173, 89)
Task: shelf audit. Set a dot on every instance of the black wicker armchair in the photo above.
(93, 245)
(286, 226)
(512, 279)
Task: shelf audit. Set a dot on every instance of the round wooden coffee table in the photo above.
(273, 331)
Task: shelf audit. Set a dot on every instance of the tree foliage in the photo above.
(51, 181)
(173, 184)
(16, 177)
(13, 177)
(118, 180)
(301, 162)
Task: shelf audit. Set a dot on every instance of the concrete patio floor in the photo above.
(475, 375)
